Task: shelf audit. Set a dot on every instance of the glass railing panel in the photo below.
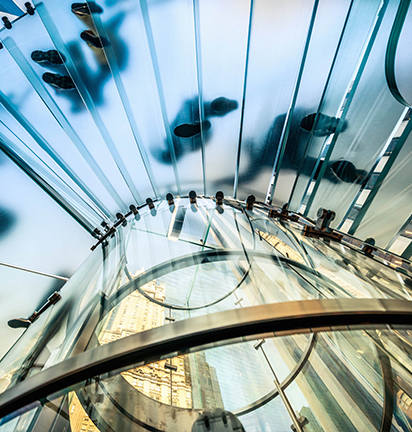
(221, 69)
(370, 120)
(338, 380)
(144, 279)
(393, 193)
(22, 233)
(385, 278)
(67, 327)
(358, 275)
(278, 34)
(21, 359)
(15, 365)
(67, 107)
(342, 383)
(330, 19)
(358, 27)
(193, 222)
(277, 238)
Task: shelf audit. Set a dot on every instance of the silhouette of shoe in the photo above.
(325, 125)
(85, 9)
(61, 82)
(347, 172)
(188, 130)
(92, 39)
(221, 106)
(45, 57)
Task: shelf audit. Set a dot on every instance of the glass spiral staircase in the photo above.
(149, 122)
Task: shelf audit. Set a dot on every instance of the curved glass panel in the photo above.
(338, 380)
(175, 262)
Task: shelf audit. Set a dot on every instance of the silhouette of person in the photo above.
(302, 126)
(188, 129)
(94, 80)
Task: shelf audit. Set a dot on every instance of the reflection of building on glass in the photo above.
(184, 381)
(79, 420)
(134, 314)
(162, 379)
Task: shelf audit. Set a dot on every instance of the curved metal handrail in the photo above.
(391, 51)
(277, 319)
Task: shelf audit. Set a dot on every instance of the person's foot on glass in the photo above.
(48, 57)
(60, 82)
(221, 106)
(85, 9)
(325, 125)
(188, 130)
(347, 172)
(93, 40)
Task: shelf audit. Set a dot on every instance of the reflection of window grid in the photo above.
(405, 401)
(140, 383)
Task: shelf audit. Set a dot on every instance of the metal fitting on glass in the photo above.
(250, 200)
(24, 323)
(192, 197)
(258, 344)
(105, 225)
(149, 202)
(120, 220)
(368, 247)
(29, 8)
(322, 229)
(283, 214)
(6, 22)
(303, 421)
(169, 199)
(219, 198)
(97, 233)
(134, 211)
(171, 367)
